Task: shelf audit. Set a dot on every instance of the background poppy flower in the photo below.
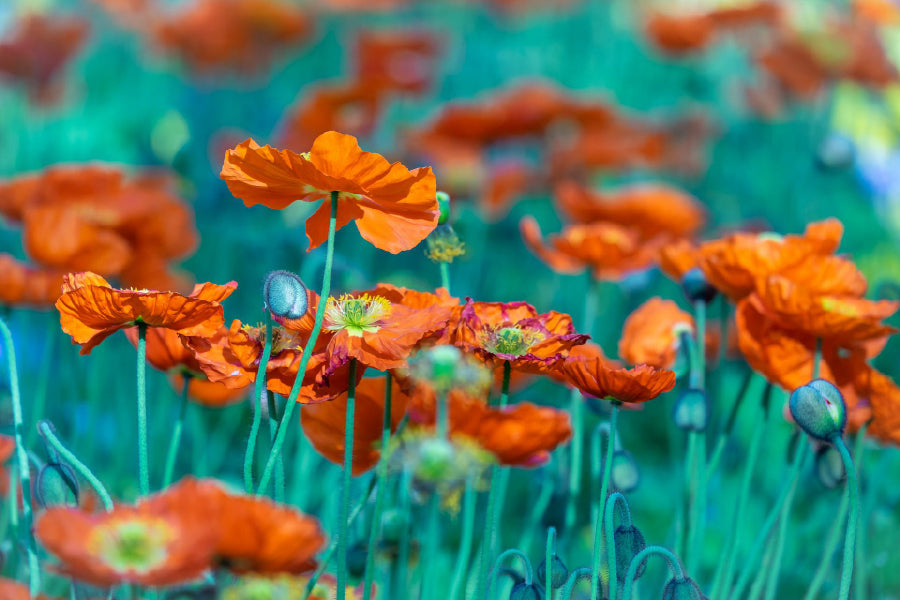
(343, 106)
(593, 378)
(24, 285)
(652, 333)
(394, 208)
(13, 590)
(209, 393)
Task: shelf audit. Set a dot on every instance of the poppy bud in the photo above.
(695, 286)
(818, 408)
(443, 199)
(393, 523)
(629, 542)
(624, 473)
(682, 589)
(56, 485)
(558, 572)
(691, 410)
(285, 295)
(829, 467)
(835, 152)
(356, 559)
(526, 591)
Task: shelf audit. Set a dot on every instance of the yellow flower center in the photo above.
(137, 545)
(513, 340)
(841, 307)
(356, 315)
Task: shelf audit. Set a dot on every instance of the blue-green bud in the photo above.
(629, 542)
(691, 410)
(56, 485)
(819, 409)
(559, 572)
(356, 559)
(443, 199)
(525, 591)
(624, 473)
(393, 523)
(682, 589)
(696, 287)
(285, 295)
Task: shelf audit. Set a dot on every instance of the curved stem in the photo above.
(529, 571)
(345, 486)
(850, 538)
(49, 434)
(445, 275)
(273, 431)
(549, 553)
(609, 526)
(143, 453)
(604, 485)
(402, 589)
(582, 574)
(259, 391)
(380, 491)
(34, 574)
(307, 352)
(670, 558)
(831, 542)
(465, 543)
(176, 433)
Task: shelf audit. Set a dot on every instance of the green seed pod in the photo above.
(696, 287)
(691, 410)
(443, 199)
(629, 541)
(682, 589)
(524, 591)
(819, 409)
(356, 559)
(558, 572)
(624, 473)
(285, 295)
(830, 467)
(56, 485)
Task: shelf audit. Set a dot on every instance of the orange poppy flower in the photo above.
(7, 449)
(883, 396)
(678, 35)
(209, 393)
(618, 144)
(394, 208)
(652, 333)
(795, 67)
(90, 310)
(324, 424)
(514, 331)
(881, 12)
(351, 107)
(678, 257)
(165, 539)
(24, 285)
(13, 590)
(651, 209)
(505, 182)
(401, 60)
(609, 250)
(593, 378)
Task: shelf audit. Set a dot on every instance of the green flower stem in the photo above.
(604, 485)
(670, 558)
(729, 425)
(609, 526)
(431, 547)
(529, 571)
(734, 538)
(345, 485)
(786, 493)
(860, 582)
(582, 574)
(831, 542)
(445, 275)
(577, 412)
(49, 434)
(686, 506)
(504, 390)
(176, 433)
(402, 590)
(537, 511)
(549, 553)
(442, 416)
(143, 453)
(380, 490)
(258, 391)
(850, 538)
(597, 463)
(696, 523)
(273, 430)
(40, 395)
(465, 543)
(34, 574)
(307, 352)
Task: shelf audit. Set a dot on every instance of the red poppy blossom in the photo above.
(24, 285)
(394, 208)
(652, 333)
(351, 107)
(401, 60)
(593, 378)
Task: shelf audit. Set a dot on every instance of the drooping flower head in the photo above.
(394, 208)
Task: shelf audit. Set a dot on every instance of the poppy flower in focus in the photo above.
(350, 107)
(609, 250)
(24, 285)
(37, 51)
(394, 208)
(91, 310)
(399, 61)
(883, 396)
(652, 333)
(593, 378)
(164, 540)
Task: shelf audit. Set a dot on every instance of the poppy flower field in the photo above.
(449, 299)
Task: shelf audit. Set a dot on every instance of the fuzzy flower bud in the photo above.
(696, 287)
(691, 410)
(629, 542)
(819, 409)
(558, 572)
(285, 295)
(682, 589)
(444, 245)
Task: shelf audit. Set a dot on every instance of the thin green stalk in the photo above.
(549, 553)
(582, 574)
(431, 548)
(273, 430)
(176, 433)
(143, 451)
(696, 524)
(609, 526)
(380, 491)
(774, 569)
(34, 574)
(345, 485)
(670, 558)
(529, 571)
(850, 538)
(258, 391)
(402, 592)
(604, 485)
(307, 351)
(831, 542)
(860, 583)
(817, 358)
(537, 511)
(40, 395)
(504, 390)
(445, 275)
(49, 434)
(465, 543)
(690, 460)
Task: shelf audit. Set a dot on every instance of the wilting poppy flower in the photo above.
(394, 208)
(24, 285)
(514, 331)
(165, 539)
(90, 310)
(651, 209)
(13, 590)
(324, 423)
(593, 378)
(38, 50)
(609, 250)
(652, 333)
(400, 61)
(351, 107)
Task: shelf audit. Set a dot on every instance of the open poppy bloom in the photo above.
(164, 540)
(593, 378)
(652, 333)
(401, 60)
(91, 310)
(514, 331)
(24, 285)
(394, 208)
